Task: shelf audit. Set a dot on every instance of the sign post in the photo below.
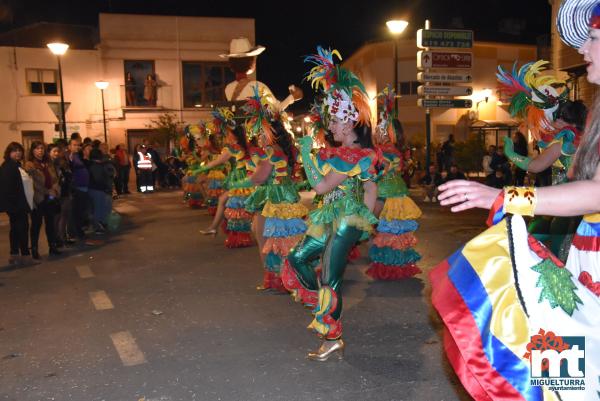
(455, 60)
(444, 38)
(446, 59)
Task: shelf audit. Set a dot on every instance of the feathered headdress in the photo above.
(534, 97)
(260, 115)
(223, 121)
(192, 133)
(318, 123)
(387, 113)
(196, 130)
(346, 95)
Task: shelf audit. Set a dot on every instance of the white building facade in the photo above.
(179, 56)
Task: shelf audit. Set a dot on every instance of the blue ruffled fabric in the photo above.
(236, 202)
(273, 262)
(275, 227)
(397, 226)
(568, 137)
(586, 229)
(239, 225)
(390, 256)
(215, 184)
(278, 228)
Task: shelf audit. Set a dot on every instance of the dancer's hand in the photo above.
(466, 195)
(296, 92)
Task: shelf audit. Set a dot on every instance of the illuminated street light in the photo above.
(103, 85)
(396, 27)
(59, 49)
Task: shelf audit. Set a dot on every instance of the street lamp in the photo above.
(396, 27)
(59, 49)
(103, 85)
(483, 96)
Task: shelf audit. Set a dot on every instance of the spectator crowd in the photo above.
(68, 187)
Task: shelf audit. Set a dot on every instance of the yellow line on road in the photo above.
(128, 350)
(101, 301)
(85, 271)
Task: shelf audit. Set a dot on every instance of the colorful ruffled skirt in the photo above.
(284, 226)
(215, 182)
(239, 220)
(192, 190)
(392, 253)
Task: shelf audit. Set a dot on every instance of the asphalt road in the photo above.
(159, 312)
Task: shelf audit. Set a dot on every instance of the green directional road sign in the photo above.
(446, 103)
(445, 38)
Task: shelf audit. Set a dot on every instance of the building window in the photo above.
(204, 83)
(42, 82)
(141, 85)
(408, 88)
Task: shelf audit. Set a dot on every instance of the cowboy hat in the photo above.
(241, 47)
(574, 19)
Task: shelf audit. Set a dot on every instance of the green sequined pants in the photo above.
(333, 250)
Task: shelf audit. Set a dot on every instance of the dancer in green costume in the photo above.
(344, 176)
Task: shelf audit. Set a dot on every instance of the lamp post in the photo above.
(396, 27)
(103, 85)
(59, 49)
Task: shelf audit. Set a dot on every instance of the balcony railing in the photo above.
(138, 98)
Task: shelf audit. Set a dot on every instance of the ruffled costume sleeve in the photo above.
(351, 162)
(568, 138)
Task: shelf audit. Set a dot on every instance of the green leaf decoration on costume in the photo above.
(518, 105)
(557, 286)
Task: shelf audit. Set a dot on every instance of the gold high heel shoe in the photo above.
(212, 232)
(327, 349)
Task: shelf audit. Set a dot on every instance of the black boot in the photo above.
(34, 253)
(54, 251)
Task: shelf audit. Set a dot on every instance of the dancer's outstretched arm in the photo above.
(570, 199)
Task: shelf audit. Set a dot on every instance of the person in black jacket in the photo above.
(430, 182)
(16, 199)
(102, 173)
(520, 147)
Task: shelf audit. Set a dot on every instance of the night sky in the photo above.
(291, 29)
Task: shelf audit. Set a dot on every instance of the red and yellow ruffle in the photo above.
(399, 242)
(281, 245)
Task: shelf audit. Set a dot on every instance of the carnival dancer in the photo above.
(278, 213)
(242, 61)
(392, 253)
(343, 175)
(192, 181)
(504, 296)
(144, 167)
(216, 177)
(556, 123)
(231, 203)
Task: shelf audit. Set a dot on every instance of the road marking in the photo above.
(127, 348)
(85, 271)
(101, 301)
